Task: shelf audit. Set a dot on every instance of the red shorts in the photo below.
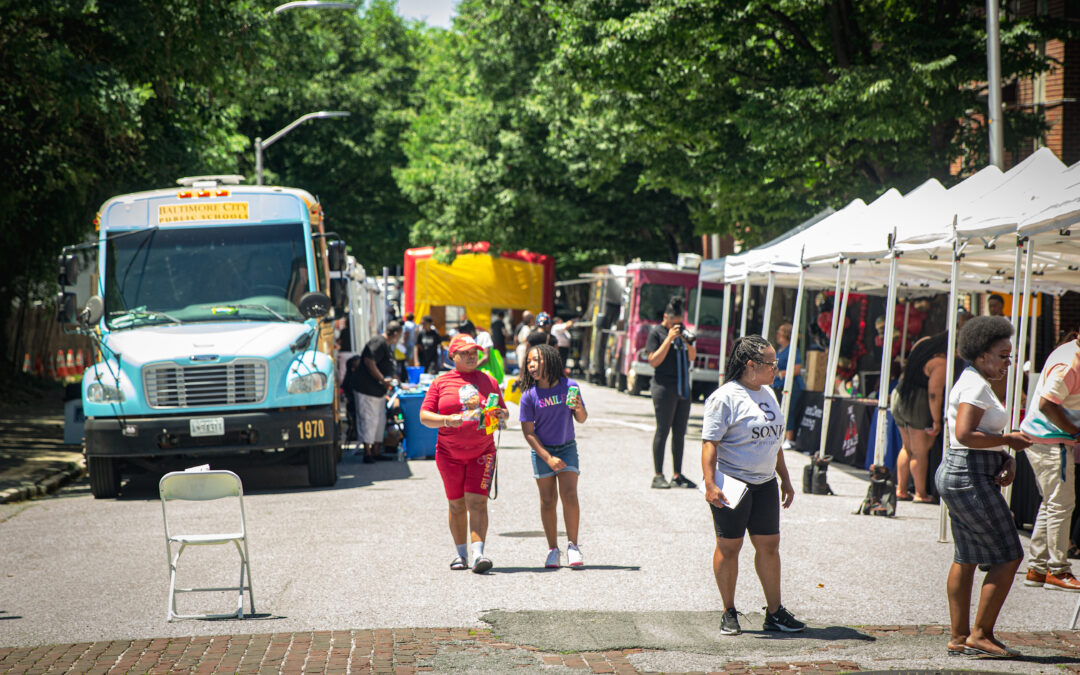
(465, 475)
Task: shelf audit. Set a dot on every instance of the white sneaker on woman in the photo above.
(573, 556)
(552, 561)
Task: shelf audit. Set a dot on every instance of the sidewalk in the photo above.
(410, 650)
(33, 458)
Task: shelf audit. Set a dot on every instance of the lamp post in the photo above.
(260, 143)
(313, 4)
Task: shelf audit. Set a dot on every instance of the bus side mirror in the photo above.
(314, 305)
(339, 295)
(65, 308)
(91, 314)
(337, 255)
(68, 269)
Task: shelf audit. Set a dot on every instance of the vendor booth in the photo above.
(478, 281)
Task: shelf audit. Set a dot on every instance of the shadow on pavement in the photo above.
(828, 633)
(279, 478)
(586, 568)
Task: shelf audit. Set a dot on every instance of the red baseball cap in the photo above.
(462, 342)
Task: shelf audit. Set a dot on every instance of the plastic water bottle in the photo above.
(400, 452)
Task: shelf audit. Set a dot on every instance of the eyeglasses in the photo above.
(769, 364)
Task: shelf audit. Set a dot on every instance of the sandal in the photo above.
(459, 563)
(481, 565)
(953, 650)
(1005, 653)
(916, 500)
(904, 498)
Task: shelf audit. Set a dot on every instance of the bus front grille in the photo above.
(168, 385)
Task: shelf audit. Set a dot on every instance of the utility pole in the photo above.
(993, 80)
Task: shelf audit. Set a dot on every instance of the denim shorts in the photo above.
(567, 452)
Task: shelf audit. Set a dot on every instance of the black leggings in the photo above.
(672, 414)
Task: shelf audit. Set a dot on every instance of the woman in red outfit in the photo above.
(464, 452)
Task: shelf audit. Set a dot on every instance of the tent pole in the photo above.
(886, 359)
(793, 346)
(1020, 355)
(903, 334)
(837, 291)
(745, 306)
(722, 361)
(697, 304)
(950, 358)
(1021, 350)
(834, 347)
(769, 291)
(1021, 246)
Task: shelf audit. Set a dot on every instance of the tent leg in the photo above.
(886, 367)
(793, 347)
(834, 348)
(767, 316)
(722, 361)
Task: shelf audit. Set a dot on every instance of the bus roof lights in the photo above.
(210, 181)
(184, 194)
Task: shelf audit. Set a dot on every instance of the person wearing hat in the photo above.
(464, 452)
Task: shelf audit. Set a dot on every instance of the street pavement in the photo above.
(356, 577)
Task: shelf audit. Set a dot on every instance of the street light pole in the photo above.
(260, 143)
(993, 77)
(313, 4)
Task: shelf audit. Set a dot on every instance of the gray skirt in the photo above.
(982, 524)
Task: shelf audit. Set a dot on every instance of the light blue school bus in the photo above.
(213, 325)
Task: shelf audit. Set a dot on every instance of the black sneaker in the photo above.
(730, 624)
(782, 620)
(683, 481)
(660, 483)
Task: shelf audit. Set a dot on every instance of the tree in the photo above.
(478, 166)
(762, 112)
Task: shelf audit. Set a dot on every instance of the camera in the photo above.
(687, 335)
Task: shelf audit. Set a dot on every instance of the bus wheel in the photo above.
(322, 465)
(104, 477)
(620, 382)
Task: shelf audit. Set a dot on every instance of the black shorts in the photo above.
(758, 512)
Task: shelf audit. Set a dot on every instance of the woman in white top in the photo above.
(969, 480)
(741, 435)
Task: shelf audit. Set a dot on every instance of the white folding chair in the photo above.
(205, 486)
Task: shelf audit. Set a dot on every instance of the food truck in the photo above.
(618, 350)
(213, 328)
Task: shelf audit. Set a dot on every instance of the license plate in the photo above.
(208, 426)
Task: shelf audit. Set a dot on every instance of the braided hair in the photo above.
(746, 348)
(551, 367)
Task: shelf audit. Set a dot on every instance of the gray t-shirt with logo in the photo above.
(747, 427)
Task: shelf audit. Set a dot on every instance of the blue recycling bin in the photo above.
(414, 373)
(419, 440)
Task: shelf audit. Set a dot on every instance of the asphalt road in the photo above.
(374, 552)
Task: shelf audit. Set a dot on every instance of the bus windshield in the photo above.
(712, 307)
(654, 298)
(177, 275)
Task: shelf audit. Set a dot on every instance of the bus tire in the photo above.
(620, 382)
(104, 477)
(322, 465)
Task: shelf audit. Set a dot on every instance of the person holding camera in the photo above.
(670, 350)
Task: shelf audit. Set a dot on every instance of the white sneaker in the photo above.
(573, 556)
(552, 561)
(788, 445)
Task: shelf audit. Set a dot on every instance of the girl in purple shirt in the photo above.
(548, 424)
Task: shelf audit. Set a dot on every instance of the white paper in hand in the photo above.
(733, 488)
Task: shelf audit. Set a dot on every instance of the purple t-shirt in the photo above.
(547, 410)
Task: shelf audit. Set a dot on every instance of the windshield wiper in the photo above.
(139, 313)
(226, 307)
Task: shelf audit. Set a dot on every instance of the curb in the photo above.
(46, 485)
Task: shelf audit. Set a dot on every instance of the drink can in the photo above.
(492, 401)
(572, 396)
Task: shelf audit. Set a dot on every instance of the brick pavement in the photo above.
(403, 650)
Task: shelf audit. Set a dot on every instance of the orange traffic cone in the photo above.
(70, 365)
(80, 362)
(61, 364)
(26, 362)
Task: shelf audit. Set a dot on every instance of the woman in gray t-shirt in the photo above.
(741, 435)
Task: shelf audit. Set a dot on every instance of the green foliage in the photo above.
(763, 112)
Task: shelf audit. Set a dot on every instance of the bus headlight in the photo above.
(307, 384)
(103, 393)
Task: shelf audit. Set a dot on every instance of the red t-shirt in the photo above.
(456, 392)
